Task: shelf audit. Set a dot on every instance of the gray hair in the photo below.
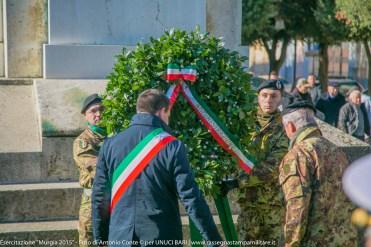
(301, 82)
(302, 117)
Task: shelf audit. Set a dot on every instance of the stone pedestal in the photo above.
(80, 61)
(19, 118)
(224, 19)
(25, 33)
(85, 36)
(2, 60)
(353, 147)
(60, 104)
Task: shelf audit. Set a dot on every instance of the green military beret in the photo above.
(271, 84)
(90, 100)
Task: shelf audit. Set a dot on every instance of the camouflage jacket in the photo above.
(269, 142)
(85, 152)
(259, 197)
(317, 210)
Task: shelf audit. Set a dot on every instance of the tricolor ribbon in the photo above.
(217, 129)
(174, 72)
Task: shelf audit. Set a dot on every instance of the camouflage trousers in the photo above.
(260, 221)
(85, 222)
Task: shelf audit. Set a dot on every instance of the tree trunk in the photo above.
(274, 63)
(274, 67)
(323, 66)
(368, 52)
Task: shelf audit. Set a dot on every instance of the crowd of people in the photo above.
(133, 180)
(351, 112)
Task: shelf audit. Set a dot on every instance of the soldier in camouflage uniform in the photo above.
(259, 198)
(85, 152)
(317, 211)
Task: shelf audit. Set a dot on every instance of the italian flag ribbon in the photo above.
(136, 161)
(217, 129)
(174, 72)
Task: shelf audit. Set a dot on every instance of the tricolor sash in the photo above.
(136, 161)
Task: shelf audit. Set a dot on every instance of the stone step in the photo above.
(51, 201)
(58, 233)
(37, 202)
(54, 164)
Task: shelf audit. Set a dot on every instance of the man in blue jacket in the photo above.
(330, 103)
(139, 206)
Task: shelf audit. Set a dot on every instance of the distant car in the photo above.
(346, 84)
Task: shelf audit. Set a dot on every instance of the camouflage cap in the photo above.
(90, 100)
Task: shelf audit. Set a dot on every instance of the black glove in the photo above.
(227, 185)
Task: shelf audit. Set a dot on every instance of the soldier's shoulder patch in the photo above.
(83, 144)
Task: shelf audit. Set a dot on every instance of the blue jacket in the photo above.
(330, 107)
(148, 210)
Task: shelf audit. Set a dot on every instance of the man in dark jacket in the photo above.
(315, 91)
(330, 103)
(353, 117)
(302, 89)
(147, 213)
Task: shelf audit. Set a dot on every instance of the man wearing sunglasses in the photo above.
(85, 152)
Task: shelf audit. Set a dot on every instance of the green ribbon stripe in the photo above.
(129, 158)
(173, 66)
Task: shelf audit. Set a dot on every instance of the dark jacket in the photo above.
(149, 208)
(304, 96)
(330, 107)
(315, 93)
(349, 120)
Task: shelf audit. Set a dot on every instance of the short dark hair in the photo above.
(151, 101)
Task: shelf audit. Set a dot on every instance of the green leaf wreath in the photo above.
(221, 82)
